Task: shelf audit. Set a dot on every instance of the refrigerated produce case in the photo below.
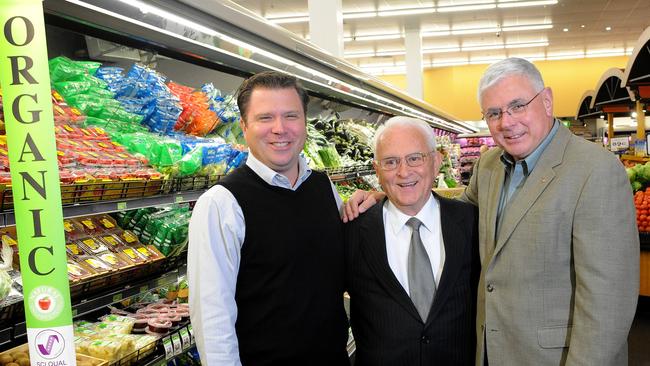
(190, 43)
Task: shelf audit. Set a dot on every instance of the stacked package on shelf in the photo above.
(143, 91)
(165, 228)
(110, 339)
(96, 244)
(225, 107)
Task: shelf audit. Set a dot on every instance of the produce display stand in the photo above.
(230, 47)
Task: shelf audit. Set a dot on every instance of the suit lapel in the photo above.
(374, 245)
(454, 240)
(494, 193)
(535, 184)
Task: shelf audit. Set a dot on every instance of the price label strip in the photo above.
(169, 347)
(178, 346)
(185, 337)
(191, 331)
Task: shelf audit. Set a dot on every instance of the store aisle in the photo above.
(639, 338)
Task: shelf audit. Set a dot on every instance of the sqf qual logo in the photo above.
(50, 344)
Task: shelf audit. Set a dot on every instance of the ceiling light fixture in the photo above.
(440, 50)
(527, 44)
(359, 54)
(409, 11)
(474, 31)
(448, 9)
(517, 4)
(435, 33)
(517, 28)
(608, 28)
(482, 47)
(360, 15)
(565, 30)
(289, 20)
(390, 53)
(373, 37)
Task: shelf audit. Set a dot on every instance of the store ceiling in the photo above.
(560, 29)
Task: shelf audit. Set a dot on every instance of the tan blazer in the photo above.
(559, 286)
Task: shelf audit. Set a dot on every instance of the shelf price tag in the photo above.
(169, 347)
(178, 199)
(121, 206)
(178, 346)
(144, 289)
(620, 143)
(185, 337)
(117, 297)
(191, 331)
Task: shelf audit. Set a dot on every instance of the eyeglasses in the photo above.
(412, 160)
(516, 110)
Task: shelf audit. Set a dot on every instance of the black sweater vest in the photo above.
(290, 283)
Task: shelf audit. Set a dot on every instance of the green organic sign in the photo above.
(25, 82)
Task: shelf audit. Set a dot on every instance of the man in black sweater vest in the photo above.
(412, 261)
(266, 254)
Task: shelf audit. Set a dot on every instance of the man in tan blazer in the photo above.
(559, 246)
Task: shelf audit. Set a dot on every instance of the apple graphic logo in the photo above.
(44, 303)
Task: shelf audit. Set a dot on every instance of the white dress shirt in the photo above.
(216, 234)
(398, 239)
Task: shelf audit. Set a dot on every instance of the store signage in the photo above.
(25, 83)
(620, 143)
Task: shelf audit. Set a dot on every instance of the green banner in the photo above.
(25, 83)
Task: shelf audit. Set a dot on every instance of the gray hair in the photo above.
(400, 121)
(509, 67)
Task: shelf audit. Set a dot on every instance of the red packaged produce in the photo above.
(114, 259)
(132, 255)
(73, 230)
(112, 241)
(74, 249)
(95, 263)
(92, 245)
(106, 222)
(90, 226)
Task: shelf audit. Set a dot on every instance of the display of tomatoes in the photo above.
(642, 204)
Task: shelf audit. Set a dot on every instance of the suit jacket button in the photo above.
(490, 288)
(425, 339)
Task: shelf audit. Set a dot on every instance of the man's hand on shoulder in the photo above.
(359, 202)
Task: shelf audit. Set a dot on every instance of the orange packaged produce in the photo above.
(642, 204)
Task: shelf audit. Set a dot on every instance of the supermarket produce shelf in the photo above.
(91, 208)
(349, 172)
(93, 304)
(95, 198)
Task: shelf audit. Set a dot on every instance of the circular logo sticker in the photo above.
(45, 303)
(49, 344)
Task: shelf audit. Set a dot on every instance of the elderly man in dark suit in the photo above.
(412, 262)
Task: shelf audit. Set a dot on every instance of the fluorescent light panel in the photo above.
(411, 11)
(416, 10)
(448, 9)
(519, 4)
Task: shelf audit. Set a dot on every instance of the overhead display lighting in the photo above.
(440, 50)
(411, 11)
(448, 9)
(518, 28)
(527, 44)
(427, 9)
(360, 15)
(518, 4)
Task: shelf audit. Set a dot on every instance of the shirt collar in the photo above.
(274, 178)
(396, 219)
(529, 162)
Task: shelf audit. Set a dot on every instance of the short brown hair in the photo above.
(269, 80)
